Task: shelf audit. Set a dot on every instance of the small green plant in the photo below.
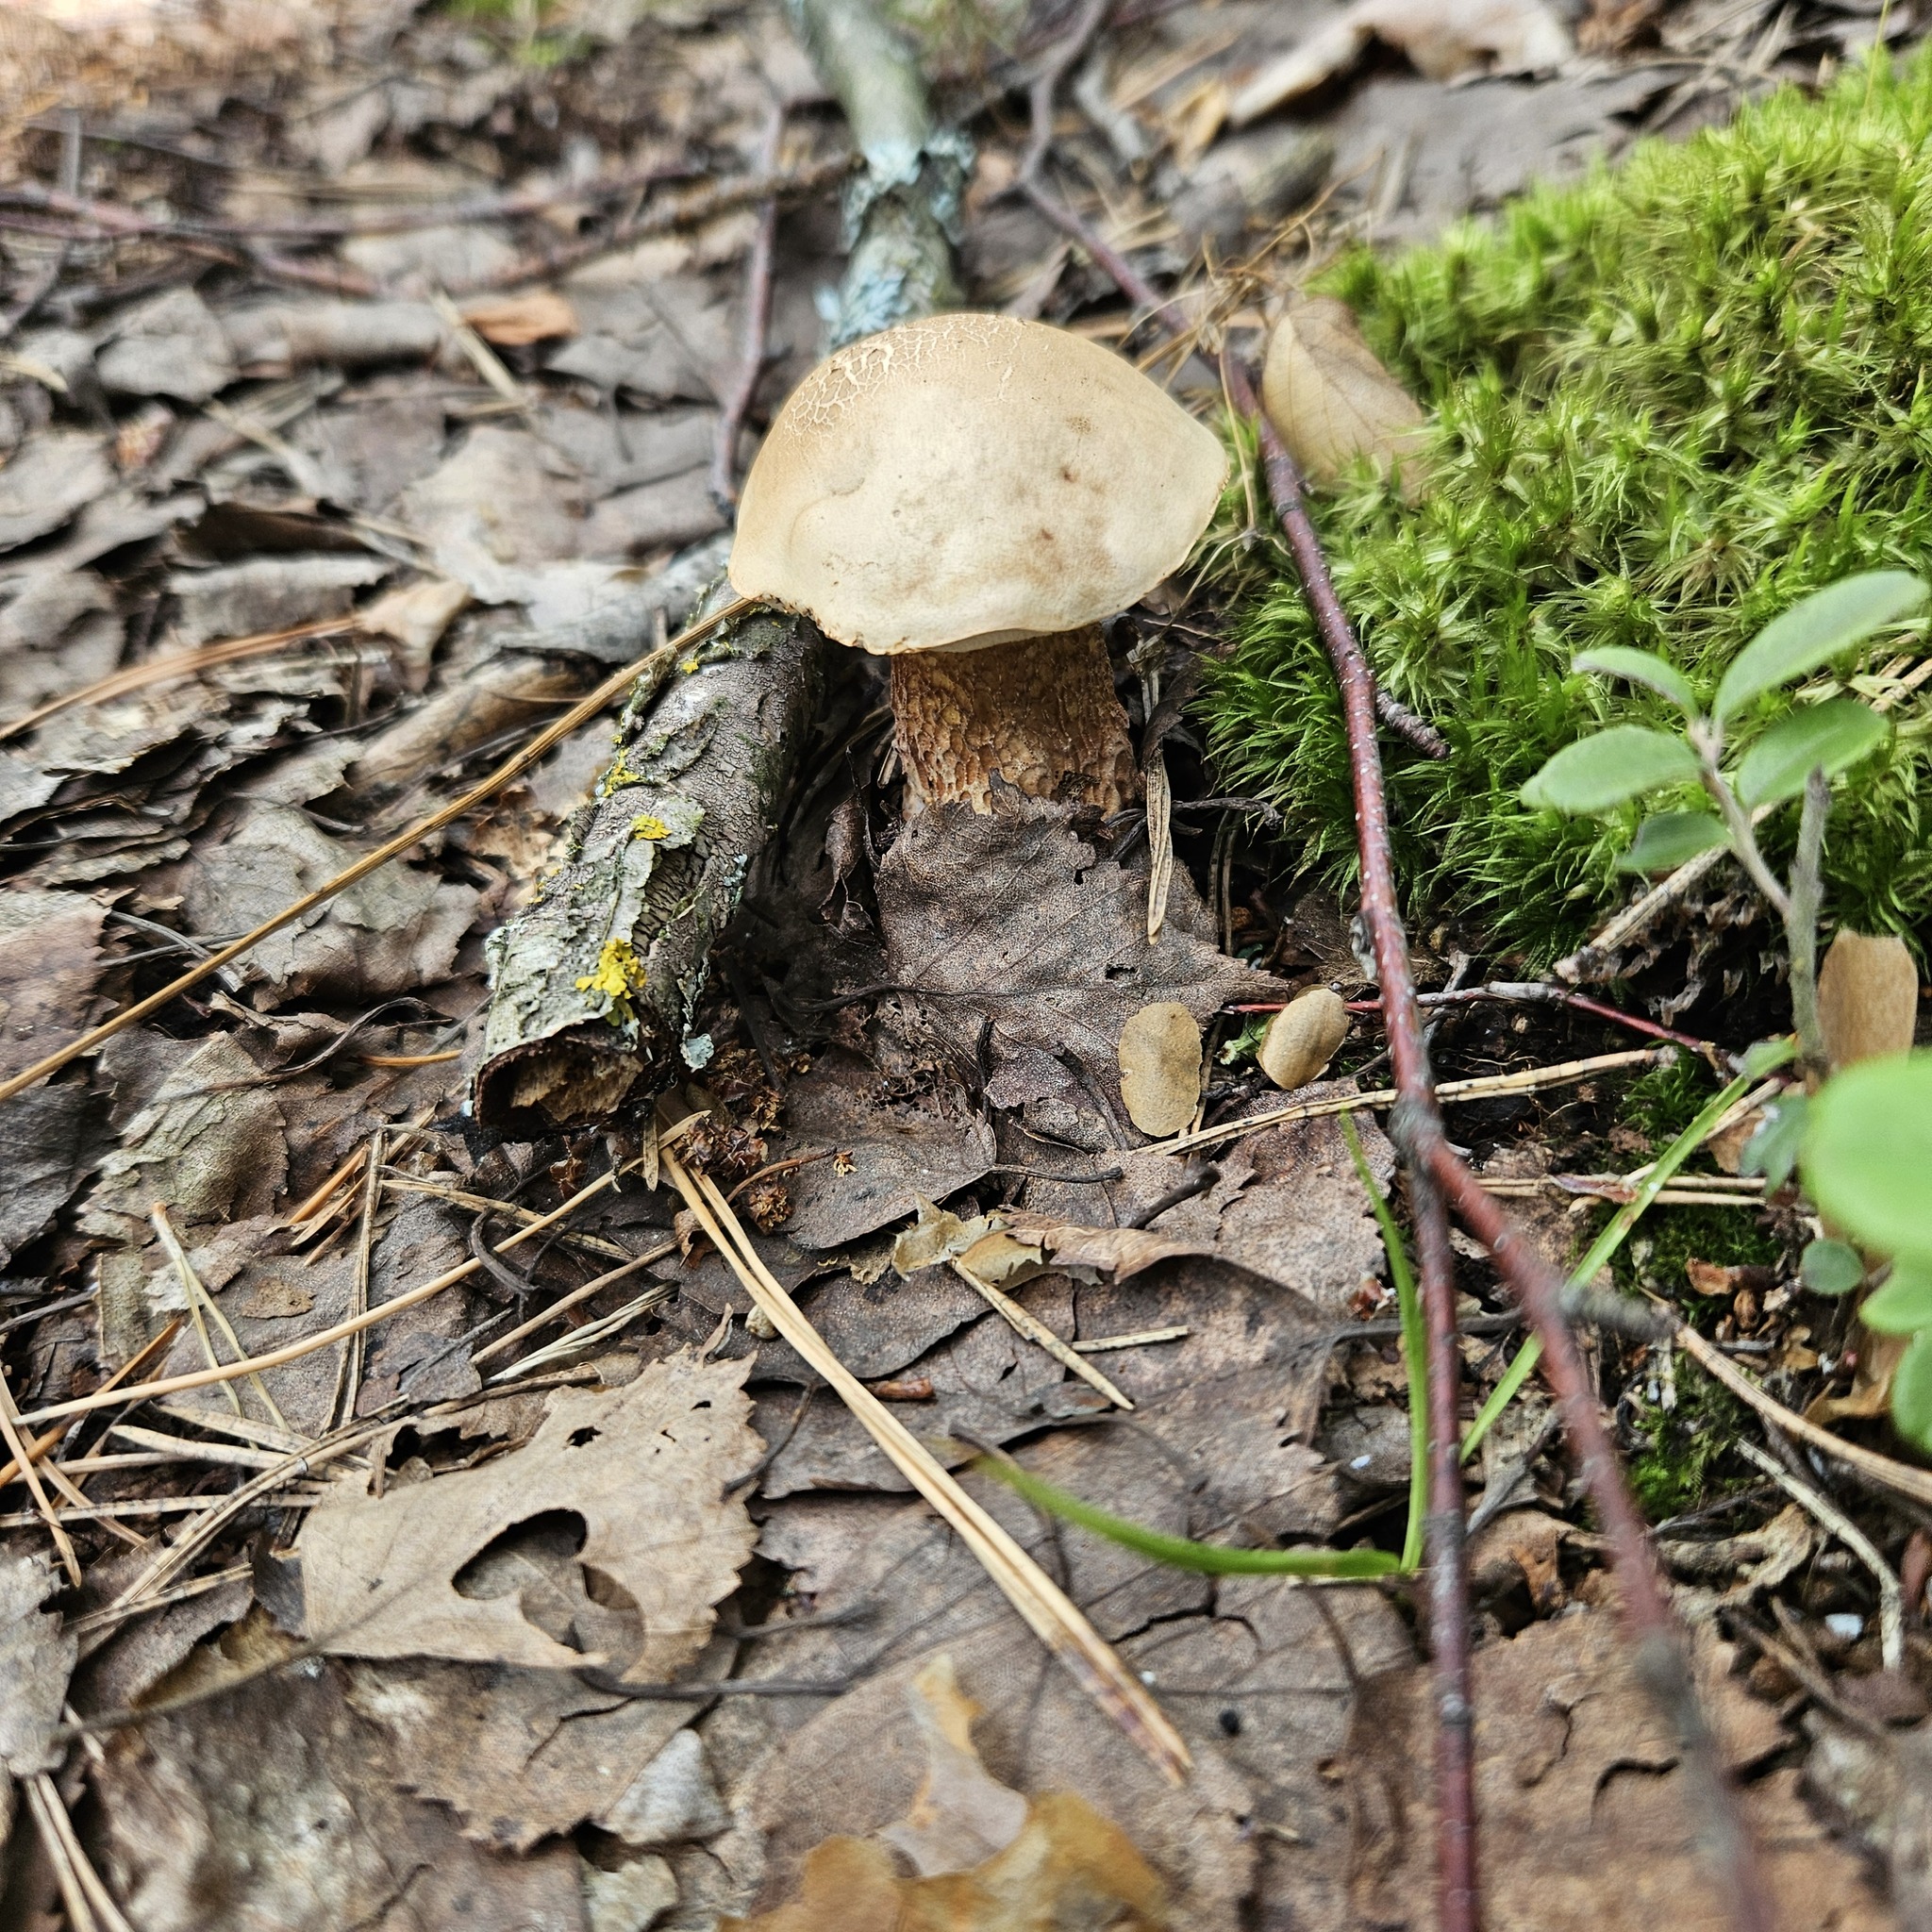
(1796, 759)
(1866, 1160)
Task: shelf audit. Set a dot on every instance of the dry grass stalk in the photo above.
(1527, 1080)
(1025, 1323)
(324, 1338)
(1047, 1610)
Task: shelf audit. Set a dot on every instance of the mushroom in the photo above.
(970, 496)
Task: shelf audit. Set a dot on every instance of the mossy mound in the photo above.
(1670, 400)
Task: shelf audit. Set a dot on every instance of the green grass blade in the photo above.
(1415, 1343)
(1616, 1231)
(1208, 1559)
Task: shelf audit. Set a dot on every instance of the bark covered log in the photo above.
(594, 984)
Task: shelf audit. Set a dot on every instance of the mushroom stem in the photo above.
(1039, 712)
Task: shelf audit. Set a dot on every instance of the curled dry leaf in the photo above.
(514, 322)
(1160, 1067)
(986, 1860)
(1013, 1246)
(1445, 42)
(434, 1570)
(1867, 997)
(1302, 1039)
(1330, 397)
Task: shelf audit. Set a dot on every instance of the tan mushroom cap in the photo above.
(967, 480)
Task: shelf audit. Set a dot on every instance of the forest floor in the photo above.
(395, 342)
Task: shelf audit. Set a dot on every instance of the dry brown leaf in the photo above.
(1444, 43)
(1051, 1865)
(1302, 1039)
(642, 1468)
(514, 322)
(1013, 1245)
(1160, 1067)
(36, 1661)
(1868, 996)
(1331, 399)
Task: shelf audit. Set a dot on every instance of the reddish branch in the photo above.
(1416, 1127)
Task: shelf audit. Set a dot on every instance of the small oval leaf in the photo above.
(1623, 763)
(1828, 737)
(1640, 667)
(1911, 1392)
(1772, 1150)
(1667, 840)
(1815, 630)
(1160, 1067)
(1868, 1153)
(1831, 1267)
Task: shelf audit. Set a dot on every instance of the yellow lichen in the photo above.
(620, 973)
(646, 826)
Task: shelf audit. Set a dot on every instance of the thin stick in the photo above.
(1141, 1339)
(199, 1300)
(571, 1299)
(44, 1447)
(1022, 1321)
(758, 322)
(1529, 1080)
(176, 664)
(1892, 1595)
(1054, 1619)
(349, 1369)
(1898, 1477)
(24, 1460)
(655, 666)
(324, 1337)
(43, 1801)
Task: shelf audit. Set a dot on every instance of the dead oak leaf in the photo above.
(1020, 946)
(460, 1566)
(1329, 395)
(988, 1859)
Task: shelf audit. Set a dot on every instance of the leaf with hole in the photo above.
(1815, 630)
(606, 1539)
(1623, 763)
(1640, 667)
(1903, 1305)
(1831, 1267)
(1667, 840)
(1868, 1153)
(1830, 736)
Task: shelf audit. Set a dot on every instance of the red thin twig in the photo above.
(757, 320)
(1537, 993)
(1416, 1127)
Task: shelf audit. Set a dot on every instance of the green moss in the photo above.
(1679, 1468)
(1653, 1259)
(1668, 400)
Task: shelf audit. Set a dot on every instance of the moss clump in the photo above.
(1670, 400)
(1677, 1470)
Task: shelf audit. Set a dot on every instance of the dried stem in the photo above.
(1801, 920)
(757, 320)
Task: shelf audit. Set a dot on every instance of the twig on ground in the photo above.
(348, 1386)
(24, 1460)
(1483, 1087)
(1892, 1595)
(324, 1338)
(1500, 1491)
(655, 666)
(1065, 1631)
(565, 1303)
(201, 1303)
(733, 404)
(1540, 992)
(1900, 1477)
(45, 1445)
(1024, 1322)
(1417, 1130)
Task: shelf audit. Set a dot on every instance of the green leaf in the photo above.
(1772, 1150)
(1640, 667)
(1208, 1559)
(1904, 1305)
(1831, 1267)
(1815, 630)
(1827, 737)
(1868, 1153)
(1596, 773)
(1667, 839)
(1912, 1391)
